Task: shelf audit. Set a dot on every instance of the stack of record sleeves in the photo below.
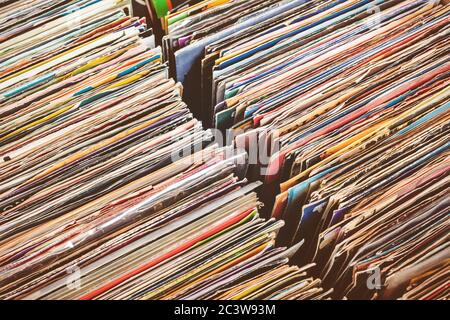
(343, 109)
(109, 187)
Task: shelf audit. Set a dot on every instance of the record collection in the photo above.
(332, 183)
